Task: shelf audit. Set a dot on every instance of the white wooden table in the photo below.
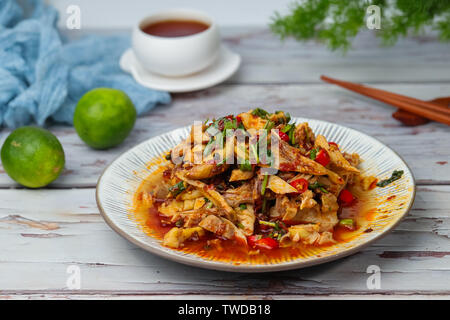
(43, 232)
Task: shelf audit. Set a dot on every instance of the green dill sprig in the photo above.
(336, 23)
(397, 174)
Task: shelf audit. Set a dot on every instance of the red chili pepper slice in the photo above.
(252, 240)
(255, 241)
(323, 157)
(300, 184)
(346, 197)
(266, 243)
(283, 136)
(333, 144)
(221, 125)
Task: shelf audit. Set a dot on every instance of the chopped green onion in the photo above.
(177, 188)
(243, 206)
(253, 148)
(275, 225)
(179, 223)
(263, 209)
(397, 174)
(260, 112)
(315, 185)
(282, 227)
(313, 154)
(230, 124)
(323, 189)
(347, 223)
(208, 147)
(293, 137)
(288, 117)
(286, 128)
(221, 162)
(240, 225)
(276, 235)
(264, 184)
(268, 223)
(209, 205)
(246, 166)
(290, 131)
(269, 125)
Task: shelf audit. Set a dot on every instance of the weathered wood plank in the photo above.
(266, 59)
(426, 149)
(52, 229)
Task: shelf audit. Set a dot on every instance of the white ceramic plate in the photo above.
(225, 66)
(121, 178)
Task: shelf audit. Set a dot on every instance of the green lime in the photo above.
(32, 156)
(104, 117)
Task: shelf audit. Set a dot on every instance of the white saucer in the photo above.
(226, 64)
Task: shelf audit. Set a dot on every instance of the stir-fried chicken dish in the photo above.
(289, 195)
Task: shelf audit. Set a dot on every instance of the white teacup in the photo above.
(176, 56)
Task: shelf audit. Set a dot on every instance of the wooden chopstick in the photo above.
(351, 85)
(425, 109)
(420, 111)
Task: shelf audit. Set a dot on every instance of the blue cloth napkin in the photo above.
(42, 77)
